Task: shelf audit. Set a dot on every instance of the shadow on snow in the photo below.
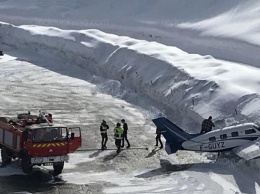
(245, 183)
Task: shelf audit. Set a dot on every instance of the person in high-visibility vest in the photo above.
(118, 136)
(103, 130)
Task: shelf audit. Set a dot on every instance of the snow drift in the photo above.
(189, 85)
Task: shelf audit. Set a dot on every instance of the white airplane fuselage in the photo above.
(223, 139)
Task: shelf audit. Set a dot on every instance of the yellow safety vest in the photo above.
(118, 133)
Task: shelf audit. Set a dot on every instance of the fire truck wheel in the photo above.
(58, 167)
(6, 155)
(26, 166)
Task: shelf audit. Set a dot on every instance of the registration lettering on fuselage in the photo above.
(213, 146)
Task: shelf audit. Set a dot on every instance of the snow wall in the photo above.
(148, 68)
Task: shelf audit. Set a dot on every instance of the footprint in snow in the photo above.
(183, 188)
(200, 187)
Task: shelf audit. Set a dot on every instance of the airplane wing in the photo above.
(249, 151)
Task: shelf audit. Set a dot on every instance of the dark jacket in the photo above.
(158, 131)
(206, 126)
(104, 128)
(125, 127)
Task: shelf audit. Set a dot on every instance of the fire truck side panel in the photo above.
(8, 138)
(18, 142)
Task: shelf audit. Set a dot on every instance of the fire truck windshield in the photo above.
(49, 134)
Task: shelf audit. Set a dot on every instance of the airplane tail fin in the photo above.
(172, 133)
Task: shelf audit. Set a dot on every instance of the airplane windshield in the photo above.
(50, 134)
(257, 128)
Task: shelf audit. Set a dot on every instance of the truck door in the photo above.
(74, 139)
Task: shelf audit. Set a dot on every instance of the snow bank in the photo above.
(189, 85)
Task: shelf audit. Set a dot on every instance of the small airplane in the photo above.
(240, 138)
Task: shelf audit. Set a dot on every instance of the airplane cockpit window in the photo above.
(223, 136)
(250, 131)
(212, 139)
(256, 127)
(234, 134)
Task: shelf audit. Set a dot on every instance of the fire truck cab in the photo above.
(36, 143)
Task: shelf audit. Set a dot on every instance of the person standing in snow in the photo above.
(118, 136)
(158, 138)
(103, 130)
(125, 127)
(207, 125)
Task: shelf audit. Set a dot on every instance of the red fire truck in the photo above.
(35, 140)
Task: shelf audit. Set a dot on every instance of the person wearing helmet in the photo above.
(103, 130)
(118, 136)
(125, 127)
(207, 125)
